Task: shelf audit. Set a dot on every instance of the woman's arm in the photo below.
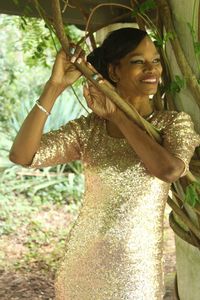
(156, 158)
(28, 138)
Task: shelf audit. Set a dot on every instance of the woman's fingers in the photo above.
(98, 102)
(96, 75)
(91, 67)
(77, 53)
(95, 92)
(87, 95)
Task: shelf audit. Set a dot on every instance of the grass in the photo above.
(37, 209)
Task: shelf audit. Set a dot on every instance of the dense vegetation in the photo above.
(26, 57)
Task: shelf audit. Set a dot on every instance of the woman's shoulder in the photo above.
(167, 117)
(90, 120)
(86, 124)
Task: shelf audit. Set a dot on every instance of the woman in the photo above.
(114, 250)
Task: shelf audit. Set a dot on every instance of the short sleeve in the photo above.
(63, 145)
(180, 138)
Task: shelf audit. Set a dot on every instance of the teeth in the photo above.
(149, 80)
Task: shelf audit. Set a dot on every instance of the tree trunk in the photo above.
(187, 256)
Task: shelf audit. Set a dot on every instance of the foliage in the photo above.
(18, 80)
(176, 85)
(144, 7)
(194, 35)
(26, 60)
(36, 227)
(192, 195)
(159, 41)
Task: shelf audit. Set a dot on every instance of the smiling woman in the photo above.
(140, 71)
(114, 250)
(129, 60)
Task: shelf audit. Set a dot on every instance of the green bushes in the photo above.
(26, 58)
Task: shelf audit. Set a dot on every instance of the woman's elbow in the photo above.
(12, 157)
(169, 177)
(18, 159)
(172, 174)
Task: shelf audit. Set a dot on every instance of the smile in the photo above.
(150, 80)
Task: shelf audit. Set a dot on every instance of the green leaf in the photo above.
(197, 48)
(192, 195)
(176, 85)
(146, 6)
(168, 36)
(192, 31)
(143, 7)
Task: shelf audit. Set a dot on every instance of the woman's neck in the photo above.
(141, 104)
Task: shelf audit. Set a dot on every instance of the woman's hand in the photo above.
(64, 72)
(99, 103)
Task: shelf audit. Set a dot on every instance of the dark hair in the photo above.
(116, 45)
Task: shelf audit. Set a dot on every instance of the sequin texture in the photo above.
(114, 250)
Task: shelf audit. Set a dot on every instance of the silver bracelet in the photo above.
(42, 108)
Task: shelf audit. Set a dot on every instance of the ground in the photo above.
(34, 282)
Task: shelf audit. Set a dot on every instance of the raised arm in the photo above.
(168, 161)
(28, 138)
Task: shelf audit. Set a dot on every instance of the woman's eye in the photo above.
(137, 61)
(157, 60)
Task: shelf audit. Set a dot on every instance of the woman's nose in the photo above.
(149, 67)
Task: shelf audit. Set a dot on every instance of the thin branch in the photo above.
(86, 16)
(114, 20)
(178, 51)
(183, 217)
(77, 98)
(43, 15)
(66, 4)
(58, 25)
(198, 33)
(180, 232)
(104, 87)
(101, 5)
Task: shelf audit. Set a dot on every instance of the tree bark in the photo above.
(183, 12)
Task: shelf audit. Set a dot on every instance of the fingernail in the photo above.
(95, 76)
(72, 50)
(73, 59)
(79, 60)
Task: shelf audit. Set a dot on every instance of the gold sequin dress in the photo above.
(114, 250)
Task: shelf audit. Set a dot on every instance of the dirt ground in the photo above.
(35, 285)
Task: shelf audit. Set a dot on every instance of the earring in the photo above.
(114, 79)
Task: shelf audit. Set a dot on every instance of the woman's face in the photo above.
(139, 71)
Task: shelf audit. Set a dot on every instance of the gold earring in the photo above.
(114, 79)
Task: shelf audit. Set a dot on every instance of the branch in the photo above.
(184, 235)
(184, 218)
(58, 25)
(178, 51)
(106, 88)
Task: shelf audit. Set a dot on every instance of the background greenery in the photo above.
(27, 53)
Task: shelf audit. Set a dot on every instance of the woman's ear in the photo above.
(112, 73)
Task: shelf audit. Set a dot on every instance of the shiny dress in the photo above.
(114, 249)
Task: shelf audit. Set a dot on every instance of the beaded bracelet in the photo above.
(42, 108)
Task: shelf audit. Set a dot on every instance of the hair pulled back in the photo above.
(116, 45)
